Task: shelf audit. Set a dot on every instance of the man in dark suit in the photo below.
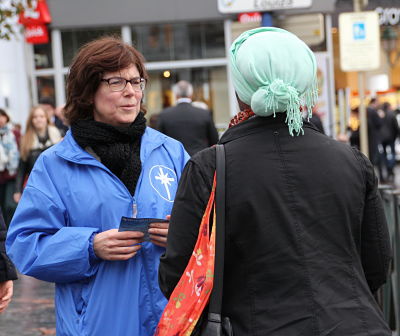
(192, 126)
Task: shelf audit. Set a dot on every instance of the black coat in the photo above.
(374, 122)
(7, 269)
(390, 128)
(306, 236)
(192, 126)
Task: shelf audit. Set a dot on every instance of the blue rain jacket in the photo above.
(70, 196)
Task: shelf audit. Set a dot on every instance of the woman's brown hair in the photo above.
(4, 114)
(30, 133)
(94, 59)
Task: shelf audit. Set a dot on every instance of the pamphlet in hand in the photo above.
(139, 224)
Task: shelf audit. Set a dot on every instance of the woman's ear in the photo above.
(242, 106)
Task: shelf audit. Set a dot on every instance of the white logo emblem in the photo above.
(164, 181)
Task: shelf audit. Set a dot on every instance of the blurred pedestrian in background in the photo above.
(9, 156)
(62, 124)
(7, 270)
(306, 237)
(39, 136)
(354, 128)
(54, 114)
(65, 229)
(389, 133)
(192, 126)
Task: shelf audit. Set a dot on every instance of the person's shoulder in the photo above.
(54, 133)
(206, 155)
(168, 110)
(154, 140)
(156, 137)
(200, 110)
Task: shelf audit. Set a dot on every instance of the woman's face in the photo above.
(39, 119)
(118, 108)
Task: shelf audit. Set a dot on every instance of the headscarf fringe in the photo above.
(294, 118)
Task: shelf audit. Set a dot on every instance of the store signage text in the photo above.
(240, 6)
(250, 17)
(36, 34)
(388, 16)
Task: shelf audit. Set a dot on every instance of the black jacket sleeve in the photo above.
(7, 269)
(21, 174)
(375, 241)
(190, 203)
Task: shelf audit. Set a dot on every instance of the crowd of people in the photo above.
(18, 153)
(383, 131)
(112, 213)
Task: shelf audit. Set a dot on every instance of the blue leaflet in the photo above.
(139, 224)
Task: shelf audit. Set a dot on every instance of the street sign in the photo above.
(310, 28)
(239, 6)
(359, 41)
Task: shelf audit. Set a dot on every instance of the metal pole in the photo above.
(363, 115)
(331, 71)
(361, 93)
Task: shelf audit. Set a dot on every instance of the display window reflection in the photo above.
(45, 87)
(72, 40)
(209, 87)
(180, 41)
(42, 55)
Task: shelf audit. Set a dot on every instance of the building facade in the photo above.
(179, 40)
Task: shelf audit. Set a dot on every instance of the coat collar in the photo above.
(69, 149)
(258, 124)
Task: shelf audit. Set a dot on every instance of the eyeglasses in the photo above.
(119, 83)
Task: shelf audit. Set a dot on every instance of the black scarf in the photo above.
(117, 147)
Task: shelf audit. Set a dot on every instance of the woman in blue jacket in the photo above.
(109, 165)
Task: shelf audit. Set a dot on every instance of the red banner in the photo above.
(34, 20)
(38, 14)
(36, 34)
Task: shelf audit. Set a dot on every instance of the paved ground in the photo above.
(31, 313)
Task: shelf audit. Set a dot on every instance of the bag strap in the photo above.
(216, 294)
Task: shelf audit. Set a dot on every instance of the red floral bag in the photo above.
(193, 290)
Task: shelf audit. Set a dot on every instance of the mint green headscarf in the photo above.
(273, 71)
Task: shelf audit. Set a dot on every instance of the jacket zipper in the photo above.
(134, 209)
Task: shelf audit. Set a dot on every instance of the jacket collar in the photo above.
(69, 149)
(258, 124)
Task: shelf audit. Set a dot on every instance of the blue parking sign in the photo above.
(359, 31)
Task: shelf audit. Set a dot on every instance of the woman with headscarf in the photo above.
(108, 166)
(306, 242)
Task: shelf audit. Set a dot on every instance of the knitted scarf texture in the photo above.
(117, 147)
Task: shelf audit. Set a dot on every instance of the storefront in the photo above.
(188, 43)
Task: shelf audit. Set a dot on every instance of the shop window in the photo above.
(180, 41)
(72, 40)
(42, 55)
(214, 40)
(155, 42)
(209, 86)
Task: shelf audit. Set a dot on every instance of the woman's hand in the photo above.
(158, 233)
(114, 245)
(6, 293)
(17, 197)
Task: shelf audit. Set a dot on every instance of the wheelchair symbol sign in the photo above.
(359, 32)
